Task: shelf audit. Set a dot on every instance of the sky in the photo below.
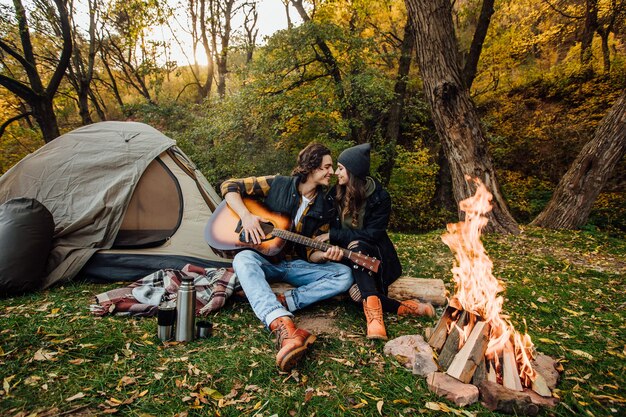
(272, 17)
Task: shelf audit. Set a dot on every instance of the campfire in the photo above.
(475, 342)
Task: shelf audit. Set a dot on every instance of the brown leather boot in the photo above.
(291, 342)
(415, 308)
(374, 315)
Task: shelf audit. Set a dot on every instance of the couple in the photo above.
(354, 214)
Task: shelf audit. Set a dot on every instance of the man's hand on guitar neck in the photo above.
(250, 223)
(333, 253)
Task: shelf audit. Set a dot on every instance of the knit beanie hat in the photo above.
(356, 160)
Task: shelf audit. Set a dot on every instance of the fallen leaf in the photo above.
(75, 397)
(42, 355)
(379, 407)
(432, 406)
(582, 354)
(6, 384)
(79, 361)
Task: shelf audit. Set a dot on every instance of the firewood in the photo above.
(452, 346)
(541, 387)
(471, 354)
(480, 374)
(440, 332)
(510, 375)
(492, 376)
(428, 290)
(404, 288)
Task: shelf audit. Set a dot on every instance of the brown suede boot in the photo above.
(282, 300)
(291, 342)
(415, 308)
(374, 316)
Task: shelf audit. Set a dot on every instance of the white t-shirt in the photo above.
(303, 205)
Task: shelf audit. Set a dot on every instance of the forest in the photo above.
(526, 95)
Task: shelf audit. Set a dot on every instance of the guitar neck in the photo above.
(307, 241)
(368, 262)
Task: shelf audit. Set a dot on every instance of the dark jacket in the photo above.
(280, 194)
(374, 232)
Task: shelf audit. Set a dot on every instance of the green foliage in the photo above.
(609, 213)
(412, 187)
(525, 196)
(16, 143)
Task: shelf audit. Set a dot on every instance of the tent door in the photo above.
(155, 209)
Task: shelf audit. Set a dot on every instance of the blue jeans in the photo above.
(313, 282)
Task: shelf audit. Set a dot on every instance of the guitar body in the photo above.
(222, 234)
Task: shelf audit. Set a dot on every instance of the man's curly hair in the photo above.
(309, 159)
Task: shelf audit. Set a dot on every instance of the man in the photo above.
(315, 275)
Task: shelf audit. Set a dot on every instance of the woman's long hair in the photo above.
(350, 198)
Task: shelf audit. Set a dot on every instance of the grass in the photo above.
(567, 289)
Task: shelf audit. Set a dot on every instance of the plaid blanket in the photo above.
(142, 298)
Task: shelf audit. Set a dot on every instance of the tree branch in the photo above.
(13, 119)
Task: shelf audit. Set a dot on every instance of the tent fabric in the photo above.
(26, 229)
(86, 179)
(189, 237)
(104, 266)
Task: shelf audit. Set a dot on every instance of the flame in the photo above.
(476, 289)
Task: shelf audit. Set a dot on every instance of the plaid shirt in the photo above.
(259, 187)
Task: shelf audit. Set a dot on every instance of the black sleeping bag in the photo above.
(26, 230)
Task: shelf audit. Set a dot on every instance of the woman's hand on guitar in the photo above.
(251, 226)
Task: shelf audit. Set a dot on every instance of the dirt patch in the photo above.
(317, 324)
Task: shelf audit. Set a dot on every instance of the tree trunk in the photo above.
(606, 53)
(43, 112)
(591, 25)
(471, 64)
(96, 104)
(113, 85)
(397, 105)
(83, 102)
(575, 194)
(38, 97)
(454, 115)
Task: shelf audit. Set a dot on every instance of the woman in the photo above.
(364, 208)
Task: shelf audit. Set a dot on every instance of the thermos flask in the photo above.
(186, 310)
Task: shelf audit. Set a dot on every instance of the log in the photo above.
(510, 375)
(440, 332)
(428, 290)
(404, 288)
(471, 354)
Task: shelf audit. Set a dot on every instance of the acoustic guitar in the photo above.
(224, 233)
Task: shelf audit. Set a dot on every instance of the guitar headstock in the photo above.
(365, 261)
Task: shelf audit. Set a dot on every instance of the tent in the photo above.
(124, 199)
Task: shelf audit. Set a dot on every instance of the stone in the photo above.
(424, 363)
(545, 402)
(546, 366)
(405, 348)
(452, 389)
(498, 398)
